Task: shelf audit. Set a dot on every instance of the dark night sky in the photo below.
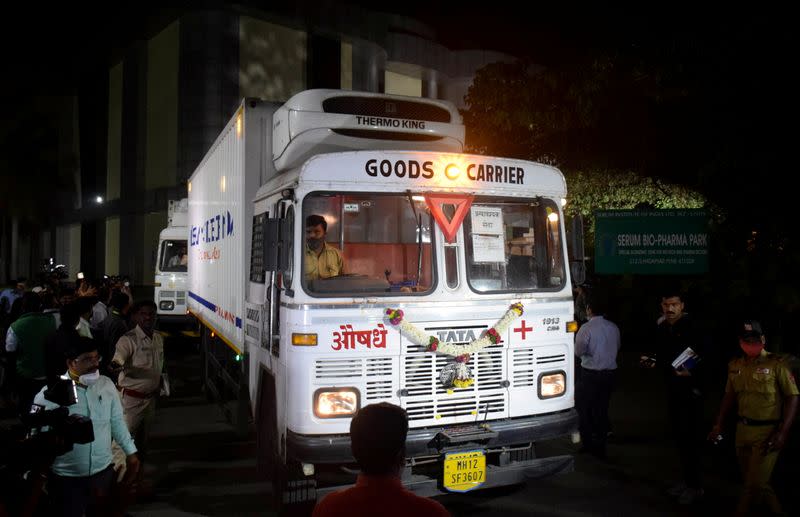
(48, 50)
(748, 55)
(52, 48)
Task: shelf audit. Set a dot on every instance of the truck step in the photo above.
(466, 433)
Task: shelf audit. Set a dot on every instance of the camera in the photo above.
(34, 440)
(29, 445)
(68, 429)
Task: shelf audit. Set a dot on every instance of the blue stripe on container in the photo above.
(210, 306)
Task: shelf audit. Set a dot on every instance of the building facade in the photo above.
(169, 95)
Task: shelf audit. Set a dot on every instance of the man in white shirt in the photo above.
(596, 344)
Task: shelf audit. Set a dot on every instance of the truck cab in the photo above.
(171, 278)
(451, 296)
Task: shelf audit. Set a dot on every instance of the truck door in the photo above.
(279, 282)
(280, 277)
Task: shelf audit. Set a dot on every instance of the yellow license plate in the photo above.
(464, 471)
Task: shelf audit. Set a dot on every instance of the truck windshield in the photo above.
(173, 256)
(513, 245)
(367, 244)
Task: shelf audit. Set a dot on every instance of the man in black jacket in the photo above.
(676, 332)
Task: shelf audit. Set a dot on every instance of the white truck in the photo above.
(454, 301)
(172, 277)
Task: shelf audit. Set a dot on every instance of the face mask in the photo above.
(751, 349)
(87, 379)
(314, 244)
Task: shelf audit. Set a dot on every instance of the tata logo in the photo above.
(391, 107)
(456, 336)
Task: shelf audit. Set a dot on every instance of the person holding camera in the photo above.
(81, 479)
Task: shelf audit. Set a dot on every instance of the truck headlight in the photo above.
(552, 384)
(336, 402)
(166, 305)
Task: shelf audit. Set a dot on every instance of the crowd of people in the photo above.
(760, 386)
(94, 334)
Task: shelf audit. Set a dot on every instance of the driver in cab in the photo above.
(321, 260)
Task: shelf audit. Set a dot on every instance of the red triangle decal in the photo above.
(448, 226)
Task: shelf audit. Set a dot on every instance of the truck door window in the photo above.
(173, 256)
(288, 242)
(514, 245)
(374, 244)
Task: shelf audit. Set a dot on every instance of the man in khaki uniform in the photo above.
(766, 392)
(139, 357)
(321, 260)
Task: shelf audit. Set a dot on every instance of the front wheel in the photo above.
(293, 493)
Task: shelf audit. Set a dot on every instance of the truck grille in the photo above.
(379, 378)
(338, 368)
(178, 296)
(377, 374)
(421, 392)
(429, 403)
(474, 408)
(528, 362)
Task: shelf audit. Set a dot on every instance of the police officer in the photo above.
(765, 390)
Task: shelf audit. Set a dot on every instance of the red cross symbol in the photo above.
(523, 329)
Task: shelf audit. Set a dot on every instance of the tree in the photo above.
(661, 123)
(613, 190)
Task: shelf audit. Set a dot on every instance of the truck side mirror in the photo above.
(272, 245)
(577, 261)
(277, 236)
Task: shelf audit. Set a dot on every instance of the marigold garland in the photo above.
(460, 353)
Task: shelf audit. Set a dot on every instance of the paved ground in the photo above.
(199, 467)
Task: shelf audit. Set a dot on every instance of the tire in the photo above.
(293, 494)
(205, 378)
(267, 428)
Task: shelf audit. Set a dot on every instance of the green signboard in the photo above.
(651, 242)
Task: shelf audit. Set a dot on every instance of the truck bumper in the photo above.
(177, 325)
(177, 319)
(424, 442)
(515, 473)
